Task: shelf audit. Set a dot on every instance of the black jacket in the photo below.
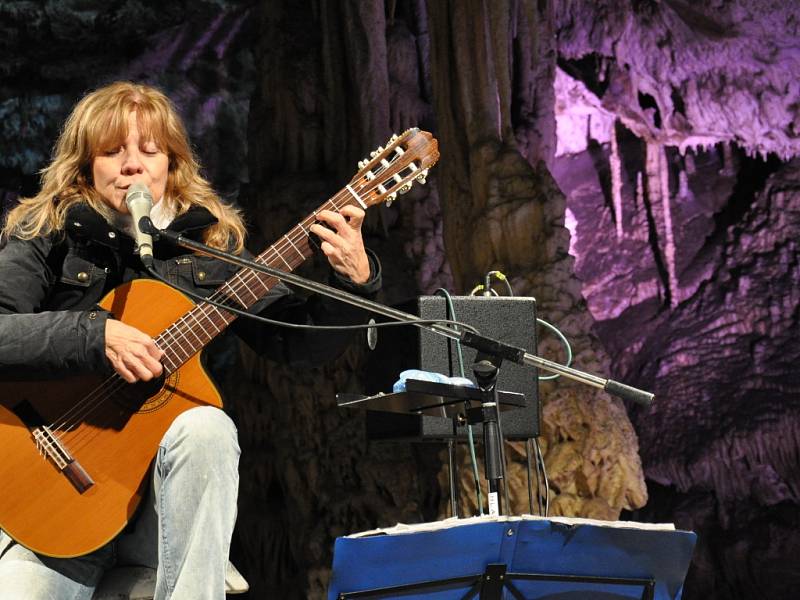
(50, 324)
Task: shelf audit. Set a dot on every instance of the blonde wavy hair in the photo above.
(99, 121)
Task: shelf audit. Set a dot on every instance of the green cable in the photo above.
(567, 348)
(553, 328)
(452, 311)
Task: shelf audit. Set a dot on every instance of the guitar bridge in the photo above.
(51, 447)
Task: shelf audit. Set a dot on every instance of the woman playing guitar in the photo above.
(66, 249)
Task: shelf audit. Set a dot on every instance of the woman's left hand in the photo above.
(342, 242)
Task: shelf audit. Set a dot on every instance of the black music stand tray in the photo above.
(530, 558)
(427, 397)
(426, 411)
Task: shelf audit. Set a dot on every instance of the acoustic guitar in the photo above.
(75, 453)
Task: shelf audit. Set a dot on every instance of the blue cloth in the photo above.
(400, 384)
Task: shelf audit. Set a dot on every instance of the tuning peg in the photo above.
(404, 189)
(421, 177)
(394, 138)
(391, 198)
(362, 164)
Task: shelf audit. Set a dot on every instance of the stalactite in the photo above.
(669, 237)
(727, 159)
(652, 172)
(688, 162)
(638, 230)
(615, 165)
(639, 191)
(658, 193)
(683, 185)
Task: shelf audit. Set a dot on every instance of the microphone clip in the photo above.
(146, 226)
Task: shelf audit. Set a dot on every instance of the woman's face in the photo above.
(135, 160)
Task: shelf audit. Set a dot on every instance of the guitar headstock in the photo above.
(392, 170)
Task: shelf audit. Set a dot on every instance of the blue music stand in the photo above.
(529, 558)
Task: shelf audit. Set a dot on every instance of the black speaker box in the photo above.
(508, 319)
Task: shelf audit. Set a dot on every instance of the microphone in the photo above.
(139, 202)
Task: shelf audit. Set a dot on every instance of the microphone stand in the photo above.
(481, 343)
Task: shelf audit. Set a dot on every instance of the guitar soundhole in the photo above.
(146, 396)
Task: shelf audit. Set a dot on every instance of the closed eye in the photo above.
(150, 148)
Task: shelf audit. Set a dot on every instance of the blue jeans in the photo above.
(183, 528)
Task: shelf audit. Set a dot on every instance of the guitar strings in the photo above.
(244, 281)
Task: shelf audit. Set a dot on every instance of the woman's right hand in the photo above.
(133, 354)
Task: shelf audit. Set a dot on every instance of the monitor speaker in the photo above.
(508, 319)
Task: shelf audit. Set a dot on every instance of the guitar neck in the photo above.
(388, 172)
(199, 326)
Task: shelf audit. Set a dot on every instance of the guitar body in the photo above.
(113, 438)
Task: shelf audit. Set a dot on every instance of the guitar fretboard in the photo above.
(195, 329)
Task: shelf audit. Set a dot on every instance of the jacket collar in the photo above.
(86, 225)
